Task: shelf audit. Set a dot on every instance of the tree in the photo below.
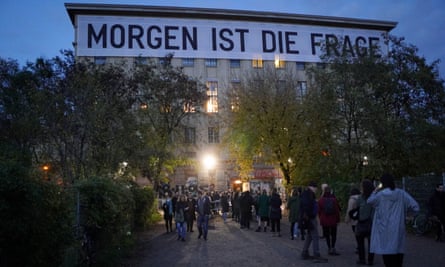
(387, 108)
(166, 97)
(266, 122)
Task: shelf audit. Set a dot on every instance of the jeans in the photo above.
(180, 226)
(312, 237)
(203, 225)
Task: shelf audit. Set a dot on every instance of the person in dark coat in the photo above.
(204, 212)
(275, 212)
(293, 206)
(436, 208)
(224, 201)
(190, 213)
(246, 201)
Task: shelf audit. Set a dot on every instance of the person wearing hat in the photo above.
(388, 226)
(308, 222)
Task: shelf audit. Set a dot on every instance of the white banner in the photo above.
(203, 38)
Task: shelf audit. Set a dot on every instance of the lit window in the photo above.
(212, 94)
(235, 63)
(211, 62)
(188, 62)
(301, 66)
(189, 108)
(257, 63)
(100, 60)
(189, 135)
(213, 135)
(279, 63)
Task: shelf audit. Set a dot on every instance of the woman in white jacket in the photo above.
(388, 227)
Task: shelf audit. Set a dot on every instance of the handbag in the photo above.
(363, 227)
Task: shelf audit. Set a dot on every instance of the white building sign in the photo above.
(201, 38)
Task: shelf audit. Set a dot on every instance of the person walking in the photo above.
(293, 207)
(388, 225)
(309, 222)
(329, 214)
(181, 207)
(354, 196)
(364, 223)
(190, 213)
(167, 207)
(436, 210)
(275, 213)
(263, 210)
(203, 209)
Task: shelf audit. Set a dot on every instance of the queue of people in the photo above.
(376, 214)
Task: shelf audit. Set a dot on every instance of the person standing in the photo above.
(167, 207)
(293, 206)
(436, 208)
(352, 205)
(181, 207)
(203, 209)
(364, 223)
(190, 213)
(308, 222)
(388, 226)
(275, 213)
(263, 210)
(329, 214)
(224, 205)
(246, 201)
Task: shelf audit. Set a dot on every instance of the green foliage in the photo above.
(37, 224)
(145, 206)
(106, 218)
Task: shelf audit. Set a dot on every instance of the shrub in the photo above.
(106, 219)
(36, 224)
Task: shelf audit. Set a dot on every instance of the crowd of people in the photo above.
(376, 214)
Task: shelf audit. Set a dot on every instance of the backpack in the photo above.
(329, 206)
(365, 210)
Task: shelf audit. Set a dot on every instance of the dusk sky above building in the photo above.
(41, 28)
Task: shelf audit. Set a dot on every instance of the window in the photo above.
(213, 135)
(301, 66)
(211, 62)
(257, 63)
(212, 94)
(100, 60)
(189, 135)
(235, 63)
(279, 63)
(301, 89)
(234, 99)
(188, 62)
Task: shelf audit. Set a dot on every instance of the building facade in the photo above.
(218, 47)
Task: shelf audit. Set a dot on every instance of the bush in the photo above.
(145, 206)
(36, 224)
(106, 219)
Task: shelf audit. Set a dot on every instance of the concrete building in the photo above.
(218, 46)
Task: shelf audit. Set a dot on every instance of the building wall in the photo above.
(278, 24)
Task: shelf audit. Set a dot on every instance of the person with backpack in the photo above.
(364, 223)
(329, 214)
